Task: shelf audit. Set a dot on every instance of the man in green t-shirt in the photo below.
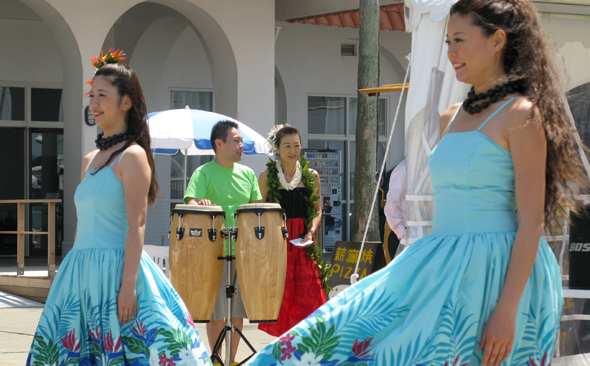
(225, 183)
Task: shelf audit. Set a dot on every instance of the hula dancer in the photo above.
(289, 182)
(109, 303)
(483, 288)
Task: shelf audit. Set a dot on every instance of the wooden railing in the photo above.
(20, 232)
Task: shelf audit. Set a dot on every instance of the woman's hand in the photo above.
(127, 304)
(307, 237)
(498, 337)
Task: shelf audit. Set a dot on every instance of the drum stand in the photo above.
(230, 235)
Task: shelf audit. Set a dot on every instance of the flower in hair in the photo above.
(111, 57)
(272, 138)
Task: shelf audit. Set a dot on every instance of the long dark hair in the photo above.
(530, 60)
(127, 83)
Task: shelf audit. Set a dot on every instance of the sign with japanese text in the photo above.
(344, 258)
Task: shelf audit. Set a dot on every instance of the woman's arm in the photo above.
(318, 207)
(135, 173)
(262, 180)
(528, 146)
(394, 212)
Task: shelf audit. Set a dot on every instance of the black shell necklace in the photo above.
(492, 96)
(103, 143)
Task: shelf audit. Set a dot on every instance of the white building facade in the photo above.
(220, 55)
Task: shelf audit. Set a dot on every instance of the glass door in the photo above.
(31, 162)
(46, 181)
(12, 183)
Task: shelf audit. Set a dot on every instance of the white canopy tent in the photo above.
(433, 90)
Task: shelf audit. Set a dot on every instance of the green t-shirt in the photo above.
(225, 187)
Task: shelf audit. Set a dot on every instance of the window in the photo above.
(348, 49)
(352, 104)
(31, 130)
(202, 100)
(31, 106)
(331, 124)
(12, 104)
(46, 105)
(193, 99)
(177, 172)
(326, 115)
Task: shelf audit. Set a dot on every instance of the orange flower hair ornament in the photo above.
(111, 57)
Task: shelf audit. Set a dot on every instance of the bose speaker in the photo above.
(579, 249)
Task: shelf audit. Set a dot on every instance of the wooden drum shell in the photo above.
(261, 264)
(195, 271)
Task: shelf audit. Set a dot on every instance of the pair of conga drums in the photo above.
(197, 252)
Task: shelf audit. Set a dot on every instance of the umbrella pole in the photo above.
(184, 180)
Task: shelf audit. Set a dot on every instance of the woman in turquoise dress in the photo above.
(109, 304)
(483, 288)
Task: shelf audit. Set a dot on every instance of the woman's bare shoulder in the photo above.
(262, 175)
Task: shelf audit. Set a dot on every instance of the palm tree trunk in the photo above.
(366, 122)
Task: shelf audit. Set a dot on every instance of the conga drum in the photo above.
(261, 259)
(195, 244)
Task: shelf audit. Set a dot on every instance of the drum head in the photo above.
(258, 205)
(259, 208)
(197, 208)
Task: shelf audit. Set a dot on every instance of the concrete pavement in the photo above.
(19, 318)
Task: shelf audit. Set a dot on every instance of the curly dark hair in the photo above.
(530, 61)
(127, 83)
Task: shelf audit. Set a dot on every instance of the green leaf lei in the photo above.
(323, 269)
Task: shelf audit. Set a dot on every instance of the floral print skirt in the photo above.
(79, 324)
(428, 307)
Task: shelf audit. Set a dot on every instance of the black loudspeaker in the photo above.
(579, 249)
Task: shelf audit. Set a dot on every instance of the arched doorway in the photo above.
(40, 108)
(182, 57)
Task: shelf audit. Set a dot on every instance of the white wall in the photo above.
(238, 62)
(240, 48)
(310, 63)
(571, 34)
(29, 52)
(185, 67)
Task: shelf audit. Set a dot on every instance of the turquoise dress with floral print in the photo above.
(79, 323)
(429, 306)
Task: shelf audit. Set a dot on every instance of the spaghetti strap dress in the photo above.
(303, 289)
(429, 306)
(79, 324)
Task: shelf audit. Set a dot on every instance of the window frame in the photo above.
(346, 138)
(28, 123)
(174, 201)
(208, 90)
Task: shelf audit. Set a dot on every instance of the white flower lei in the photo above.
(296, 177)
(272, 138)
